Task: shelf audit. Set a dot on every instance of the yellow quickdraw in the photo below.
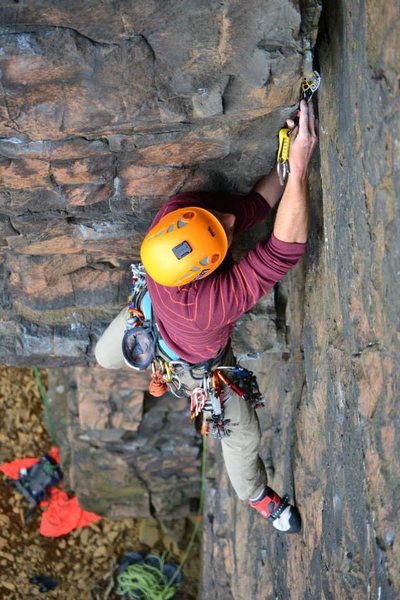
(283, 145)
(168, 372)
(282, 158)
(309, 85)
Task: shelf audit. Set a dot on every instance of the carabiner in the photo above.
(167, 368)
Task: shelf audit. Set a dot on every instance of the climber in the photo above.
(198, 292)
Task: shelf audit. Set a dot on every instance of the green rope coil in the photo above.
(142, 581)
(201, 507)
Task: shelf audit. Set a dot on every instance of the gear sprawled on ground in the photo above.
(82, 562)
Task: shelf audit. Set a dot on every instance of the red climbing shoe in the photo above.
(284, 516)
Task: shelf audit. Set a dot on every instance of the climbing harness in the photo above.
(309, 86)
(142, 346)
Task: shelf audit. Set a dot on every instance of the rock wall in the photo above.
(107, 109)
(125, 454)
(331, 431)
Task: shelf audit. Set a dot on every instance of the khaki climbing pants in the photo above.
(245, 468)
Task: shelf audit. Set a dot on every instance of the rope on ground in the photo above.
(141, 578)
(196, 528)
(46, 405)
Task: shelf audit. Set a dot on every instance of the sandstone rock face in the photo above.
(330, 432)
(107, 109)
(123, 453)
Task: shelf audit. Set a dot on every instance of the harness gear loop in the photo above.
(134, 312)
(142, 346)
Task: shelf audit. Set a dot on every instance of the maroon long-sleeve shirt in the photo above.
(196, 320)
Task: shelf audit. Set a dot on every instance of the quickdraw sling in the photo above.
(143, 346)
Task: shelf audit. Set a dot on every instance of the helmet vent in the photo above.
(182, 279)
(211, 231)
(201, 274)
(209, 260)
(155, 235)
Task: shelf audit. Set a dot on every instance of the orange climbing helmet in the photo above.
(186, 244)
